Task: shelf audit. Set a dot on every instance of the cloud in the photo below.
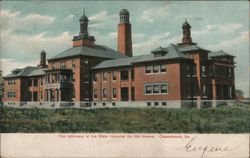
(7, 65)
(8, 14)
(26, 46)
(183, 17)
(101, 20)
(225, 28)
(150, 15)
(102, 16)
(14, 20)
(154, 41)
(243, 37)
(68, 18)
(37, 18)
(138, 35)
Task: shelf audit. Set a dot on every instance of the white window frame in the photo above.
(152, 85)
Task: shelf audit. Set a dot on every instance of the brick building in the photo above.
(91, 72)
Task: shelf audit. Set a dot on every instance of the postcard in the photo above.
(124, 79)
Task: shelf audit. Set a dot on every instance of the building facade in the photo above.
(91, 72)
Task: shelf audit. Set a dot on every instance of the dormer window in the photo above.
(158, 52)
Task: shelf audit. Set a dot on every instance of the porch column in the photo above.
(59, 94)
(45, 95)
(49, 91)
(214, 93)
(129, 85)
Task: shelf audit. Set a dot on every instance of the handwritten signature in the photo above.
(191, 147)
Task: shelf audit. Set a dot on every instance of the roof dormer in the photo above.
(158, 52)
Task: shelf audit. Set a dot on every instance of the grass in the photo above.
(127, 120)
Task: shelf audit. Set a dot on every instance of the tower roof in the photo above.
(84, 18)
(43, 52)
(186, 24)
(124, 12)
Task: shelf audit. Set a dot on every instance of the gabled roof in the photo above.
(96, 50)
(219, 53)
(191, 48)
(173, 53)
(26, 72)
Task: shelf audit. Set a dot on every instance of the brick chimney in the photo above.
(124, 43)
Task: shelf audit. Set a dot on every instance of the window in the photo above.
(193, 70)
(73, 93)
(95, 77)
(104, 93)
(114, 75)
(86, 77)
(158, 54)
(47, 78)
(230, 91)
(41, 81)
(114, 92)
(63, 65)
(73, 77)
(11, 94)
(203, 71)
(86, 94)
(35, 82)
(148, 89)
(230, 72)
(30, 82)
(188, 73)
(204, 90)
(95, 93)
(124, 75)
(148, 69)
(156, 68)
(10, 82)
(164, 88)
(104, 76)
(53, 78)
(73, 63)
(53, 65)
(163, 68)
(156, 89)
(41, 94)
(132, 74)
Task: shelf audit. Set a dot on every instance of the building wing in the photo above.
(172, 52)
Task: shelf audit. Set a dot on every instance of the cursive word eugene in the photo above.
(190, 147)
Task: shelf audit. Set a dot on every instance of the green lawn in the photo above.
(142, 120)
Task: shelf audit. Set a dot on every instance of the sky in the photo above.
(28, 27)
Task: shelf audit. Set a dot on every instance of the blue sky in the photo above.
(29, 27)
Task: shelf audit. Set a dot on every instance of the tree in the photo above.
(239, 93)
